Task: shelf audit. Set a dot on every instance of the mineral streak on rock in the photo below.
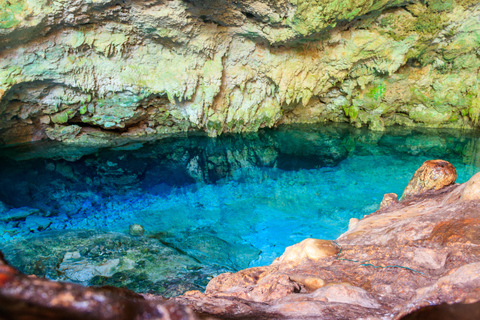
(110, 71)
(432, 175)
(403, 257)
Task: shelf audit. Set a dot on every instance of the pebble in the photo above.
(136, 230)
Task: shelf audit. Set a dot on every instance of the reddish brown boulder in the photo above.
(432, 175)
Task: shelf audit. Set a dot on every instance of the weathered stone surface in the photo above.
(472, 188)
(91, 72)
(312, 249)
(432, 175)
(418, 252)
(388, 200)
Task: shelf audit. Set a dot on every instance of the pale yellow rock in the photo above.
(313, 249)
(310, 282)
(45, 119)
(352, 223)
(472, 189)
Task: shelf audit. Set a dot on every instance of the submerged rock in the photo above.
(29, 297)
(17, 213)
(136, 230)
(94, 258)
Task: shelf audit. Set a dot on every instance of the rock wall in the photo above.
(90, 71)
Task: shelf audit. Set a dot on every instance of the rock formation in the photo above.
(406, 257)
(418, 252)
(108, 71)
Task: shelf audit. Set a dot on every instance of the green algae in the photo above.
(8, 11)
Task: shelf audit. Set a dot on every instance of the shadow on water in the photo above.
(220, 204)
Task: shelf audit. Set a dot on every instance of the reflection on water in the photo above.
(215, 204)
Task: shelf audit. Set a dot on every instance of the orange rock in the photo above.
(432, 175)
(389, 199)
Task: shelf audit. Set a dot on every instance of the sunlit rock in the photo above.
(388, 200)
(352, 222)
(432, 175)
(472, 189)
(312, 249)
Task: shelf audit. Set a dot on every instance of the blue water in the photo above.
(269, 189)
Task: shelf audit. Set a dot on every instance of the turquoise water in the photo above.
(228, 202)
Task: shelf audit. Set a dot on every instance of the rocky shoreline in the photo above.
(418, 252)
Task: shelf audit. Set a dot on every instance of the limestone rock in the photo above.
(472, 188)
(18, 213)
(419, 252)
(432, 175)
(352, 222)
(312, 249)
(388, 200)
(66, 72)
(343, 293)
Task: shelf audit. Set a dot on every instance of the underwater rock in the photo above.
(136, 230)
(17, 213)
(414, 254)
(29, 297)
(3, 208)
(209, 249)
(432, 175)
(137, 263)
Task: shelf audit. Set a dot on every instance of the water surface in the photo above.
(216, 204)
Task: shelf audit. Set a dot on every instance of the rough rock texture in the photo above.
(418, 252)
(108, 71)
(28, 297)
(137, 263)
(432, 175)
